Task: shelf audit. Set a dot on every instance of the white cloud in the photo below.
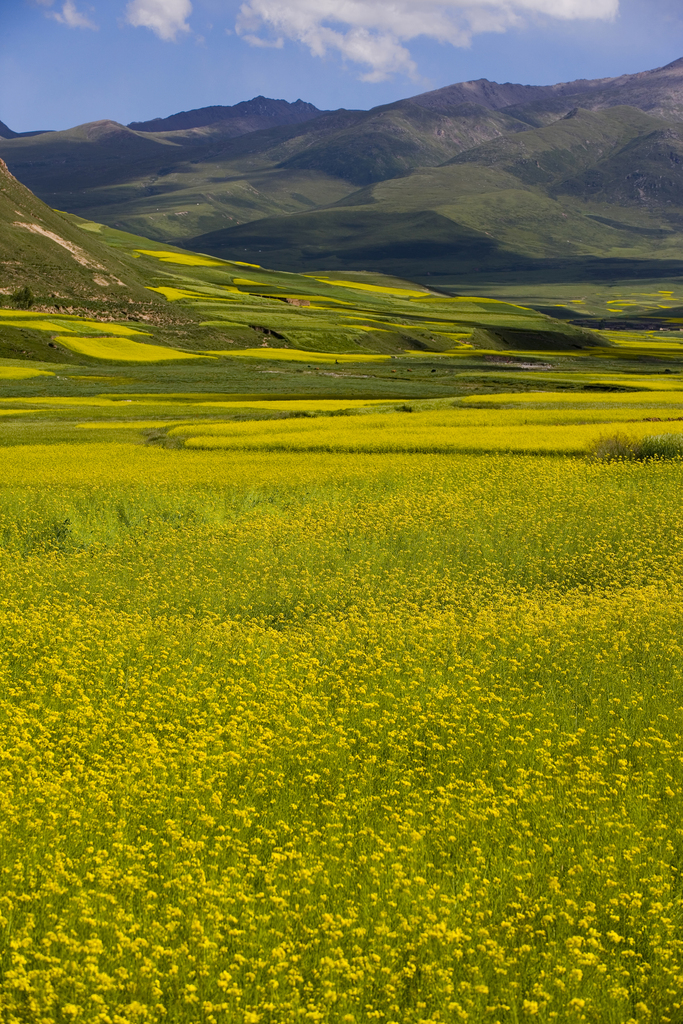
(165, 17)
(373, 33)
(70, 16)
(274, 44)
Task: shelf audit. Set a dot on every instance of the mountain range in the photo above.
(476, 180)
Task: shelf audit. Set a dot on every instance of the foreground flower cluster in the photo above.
(339, 738)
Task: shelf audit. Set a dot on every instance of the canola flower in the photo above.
(299, 355)
(447, 426)
(339, 738)
(445, 432)
(63, 322)
(22, 372)
(186, 259)
(668, 390)
(123, 350)
(364, 286)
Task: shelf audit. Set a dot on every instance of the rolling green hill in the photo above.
(174, 184)
(394, 140)
(90, 281)
(594, 193)
(178, 184)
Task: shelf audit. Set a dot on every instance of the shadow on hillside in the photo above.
(423, 246)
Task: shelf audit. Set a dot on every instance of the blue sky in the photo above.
(65, 62)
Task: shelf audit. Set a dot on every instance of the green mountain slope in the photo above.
(646, 173)
(394, 140)
(44, 250)
(595, 192)
(172, 184)
(568, 145)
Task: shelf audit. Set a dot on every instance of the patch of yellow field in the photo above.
(636, 351)
(434, 425)
(362, 287)
(477, 299)
(369, 327)
(14, 313)
(306, 404)
(107, 328)
(123, 350)
(189, 259)
(37, 325)
(436, 432)
(173, 294)
(672, 348)
(97, 401)
(193, 427)
(91, 225)
(464, 349)
(195, 399)
(191, 398)
(595, 382)
(298, 355)
(22, 372)
(57, 322)
(578, 398)
(648, 340)
(482, 299)
(324, 299)
(614, 352)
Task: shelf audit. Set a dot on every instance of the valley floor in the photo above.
(339, 684)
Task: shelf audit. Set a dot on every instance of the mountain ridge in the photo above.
(7, 133)
(499, 96)
(260, 111)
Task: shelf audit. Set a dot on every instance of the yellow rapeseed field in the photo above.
(188, 259)
(570, 431)
(122, 350)
(22, 373)
(339, 737)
